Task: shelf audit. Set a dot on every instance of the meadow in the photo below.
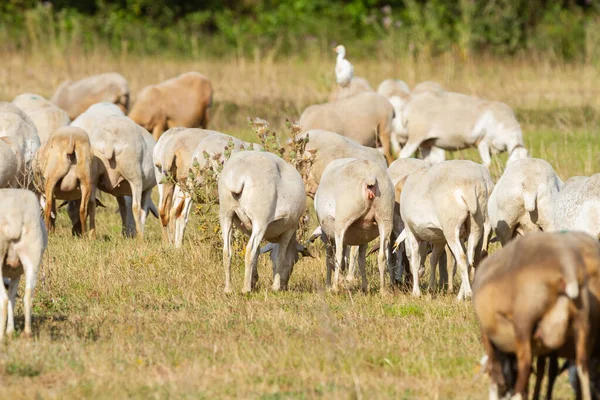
(117, 318)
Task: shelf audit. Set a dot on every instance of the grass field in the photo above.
(117, 318)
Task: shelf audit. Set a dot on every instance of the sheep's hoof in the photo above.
(227, 290)
(416, 294)
(26, 335)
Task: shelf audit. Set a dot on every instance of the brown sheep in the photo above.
(181, 101)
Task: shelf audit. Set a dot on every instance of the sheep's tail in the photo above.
(569, 266)
(529, 199)
(470, 200)
(235, 184)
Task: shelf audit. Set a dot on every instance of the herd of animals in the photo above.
(538, 296)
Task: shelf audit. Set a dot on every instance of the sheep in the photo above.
(523, 199)
(560, 320)
(174, 156)
(23, 239)
(399, 94)
(365, 118)
(428, 86)
(393, 87)
(325, 146)
(445, 204)
(264, 197)
(11, 161)
(69, 171)
(75, 97)
(17, 125)
(95, 115)
(430, 119)
(354, 205)
(181, 101)
(45, 115)
(577, 205)
(125, 168)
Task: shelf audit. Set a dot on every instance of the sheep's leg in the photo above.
(383, 258)
(12, 297)
(227, 231)
(136, 207)
(251, 259)
(339, 258)
(415, 253)
(352, 263)
(165, 192)
(436, 253)
(552, 374)
(158, 130)
(49, 204)
(433, 155)
(540, 370)
(523, 360)
(484, 151)
(450, 265)
(492, 367)
(581, 354)
(181, 220)
(281, 272)
(460, 257)
(3, 294)
(29, 267)
(329, 259)
(409, 148)
(86, 193)
(92, 214)
(128, 228)
(475, 237)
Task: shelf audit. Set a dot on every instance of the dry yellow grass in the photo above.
(117, 318)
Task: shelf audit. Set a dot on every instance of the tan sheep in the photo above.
(357, 85)
(181, 101)
(365, 118)
(69, 170)
(77, 96)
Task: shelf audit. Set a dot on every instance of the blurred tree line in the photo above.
(561, 29)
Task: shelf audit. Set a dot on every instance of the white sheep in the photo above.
(454, 121)
(23, 239)
(577, 205)
(264, 197)
(523, 199)
(446, 204)
(355, 205)
(46, 116)
(95, 116)
(21, 135)
(126, 168)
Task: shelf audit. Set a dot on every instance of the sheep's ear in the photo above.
(268, 248)
(303, 250)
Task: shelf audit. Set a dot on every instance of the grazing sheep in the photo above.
(577, 205)
(365, 118)
(446, 204)
(393, 87)
(264, 197)
(428, 86)
(354, 205)
(69, 171)
(75, 97)
(430, 119)
(181, 101)
(523, 199)
(172, 157)
(45, 115)
(23, 240)
(325, 146)
(125, 168)
(95, 116)
(15, 124)
(398, 94)
(538, 296)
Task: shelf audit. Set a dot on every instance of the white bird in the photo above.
(343, 68)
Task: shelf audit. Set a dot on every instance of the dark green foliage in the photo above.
(567, 30)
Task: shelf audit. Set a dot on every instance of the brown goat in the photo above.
(67, 164)
(538, 296)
